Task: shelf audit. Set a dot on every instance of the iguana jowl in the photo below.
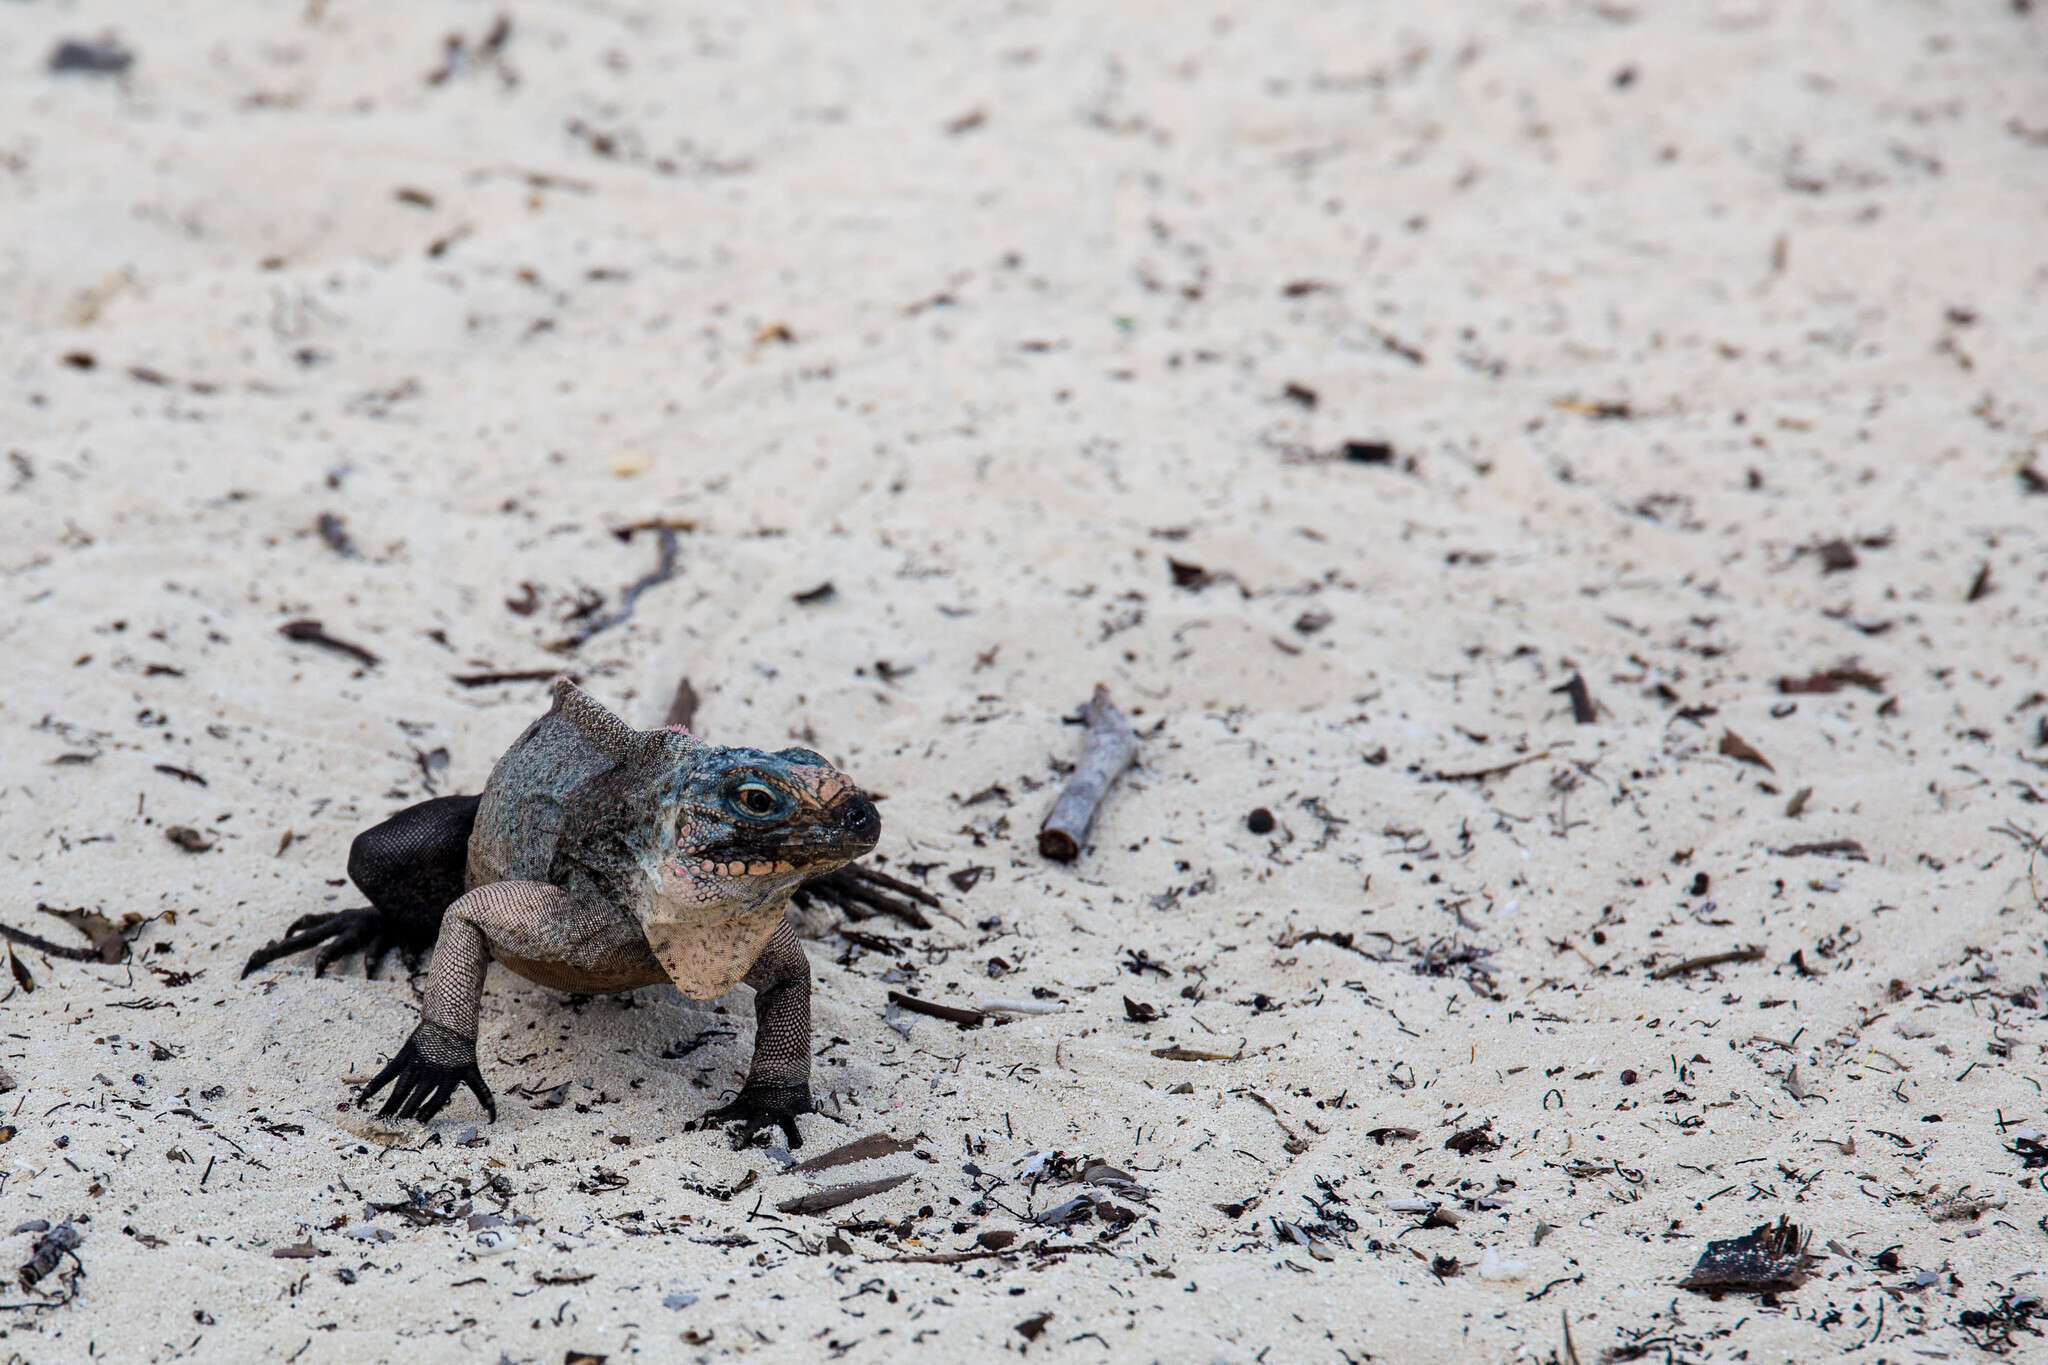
(603, 858)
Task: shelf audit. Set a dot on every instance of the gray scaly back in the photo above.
(520, 817)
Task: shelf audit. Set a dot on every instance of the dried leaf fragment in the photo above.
(860, 1149)
(188, 838)
(1742, 751)
(834, 1196)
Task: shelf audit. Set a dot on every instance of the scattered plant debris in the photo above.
(313, 633)
(1742, 751)
(1770, 1259)
(838, 1196)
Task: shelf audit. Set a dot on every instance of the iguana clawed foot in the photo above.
(368, 931)
(860, 892)
(757, 1106)
(426, 1073)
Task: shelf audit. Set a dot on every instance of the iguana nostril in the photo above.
(861, 817)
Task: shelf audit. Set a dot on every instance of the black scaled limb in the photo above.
(411, 869)
(427, 1071)
(757, 1106)
(368, 931)
(860, 892)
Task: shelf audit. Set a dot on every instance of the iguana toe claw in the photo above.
(421, 1087)
(367, 931)
(759, 1105)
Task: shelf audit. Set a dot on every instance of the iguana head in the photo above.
(721, 835)
(756, 822)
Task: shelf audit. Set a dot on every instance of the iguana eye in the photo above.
(755, 799)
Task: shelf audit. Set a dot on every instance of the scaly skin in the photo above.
(601, 858)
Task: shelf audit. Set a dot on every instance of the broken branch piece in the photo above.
(1108, 750)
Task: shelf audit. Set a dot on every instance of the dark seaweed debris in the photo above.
(1991, 1329)
(49, 1252)
(1771, 1259)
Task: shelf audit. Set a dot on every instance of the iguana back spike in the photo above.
(609, 735)
(612, 737)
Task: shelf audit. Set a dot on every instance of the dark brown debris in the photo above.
(1770, 1259)
(874, 943)
(682, 707)
(1110, 747)
(1742, 751)
(105, 56)
(1826, 848)
(188, 838)
(664, 569)
(1599, 410)
(1583, 710)
(516, 676)
(1033, 1327)
(458, 56)
(1368, 452)
(860, 1149)
(1980, 586)
(1479, 1138)
(334, 531)
(1177, 1053)
(48, 1253)
(1694, 964)
(313, 633)
(1187, 575)
(1496, 770)
(838, 1196)
(824, 592)
(1836, 556)
(1138, 1012)
(965, 879)
(952, 1014)
(109, 940)
(1832, 680)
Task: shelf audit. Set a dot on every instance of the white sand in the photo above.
(1029, 361)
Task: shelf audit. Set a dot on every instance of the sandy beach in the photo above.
(1559, 489)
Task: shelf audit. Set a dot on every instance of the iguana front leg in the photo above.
(778, 1084)
(441, 1053)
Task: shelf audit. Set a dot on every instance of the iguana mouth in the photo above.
(830, 837)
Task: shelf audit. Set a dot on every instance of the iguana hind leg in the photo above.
(778, 1084)
(411, 867)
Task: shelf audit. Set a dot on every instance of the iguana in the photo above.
(603, 858)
